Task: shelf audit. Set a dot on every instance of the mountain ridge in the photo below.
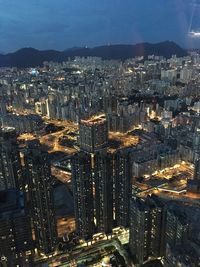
(31, 57)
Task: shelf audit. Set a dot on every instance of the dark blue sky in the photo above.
(60, 24)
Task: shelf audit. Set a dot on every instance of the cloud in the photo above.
(64, 23)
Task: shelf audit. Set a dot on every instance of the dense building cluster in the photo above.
(123, 138)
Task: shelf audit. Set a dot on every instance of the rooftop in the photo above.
(99, 119)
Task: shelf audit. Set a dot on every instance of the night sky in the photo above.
(61, 24)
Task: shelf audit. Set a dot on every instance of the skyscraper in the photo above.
(157, 226)
(193, 185)
(3, 109)
(122, 174)
(51, 106)
(177, 228)
(178, 236)
(92, 175)
(139, 227)
(147, 229)
(15, 230)
(10, 168)
(40, 197)
(103, 179)
(197, 170)
(83, 194)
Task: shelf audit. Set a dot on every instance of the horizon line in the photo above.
(91, 47)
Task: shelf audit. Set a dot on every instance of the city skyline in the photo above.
(100, 133)
(99, 162)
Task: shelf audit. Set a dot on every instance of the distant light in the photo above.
(34, 72)
(194, 34)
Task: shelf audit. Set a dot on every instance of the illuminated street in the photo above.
(63, 176)
(183, 170)
(124, 140)
(96, 249)
(52, 140)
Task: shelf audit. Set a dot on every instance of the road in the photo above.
(52, 140)
(87, 253)
(63, 176)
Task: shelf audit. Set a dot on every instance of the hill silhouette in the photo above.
(30, 57)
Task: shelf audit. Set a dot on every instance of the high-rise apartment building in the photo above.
(15, 230)
(177, 228)
(103, 180)
(157, 226)
(83, 194)
(180, 251)
(123, 175)
(92, 176)
(10, 168)
(3, 109)
(51, 106)
(147, 229)
(139, 228)
(40, 197)
(193, 185)
(197, 170)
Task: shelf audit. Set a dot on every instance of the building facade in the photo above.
(83, 194)
(147, 229)
(15, 230)
(122, 191)
(40, 197)
(103, 180)
(10, 167)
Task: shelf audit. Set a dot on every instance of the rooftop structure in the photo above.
(93, 134)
